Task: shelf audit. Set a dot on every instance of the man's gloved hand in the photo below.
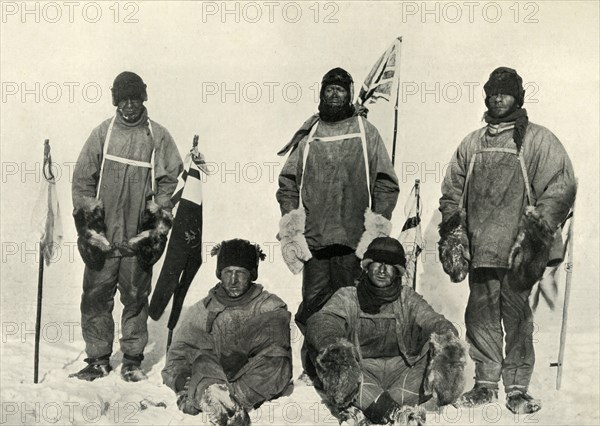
(340, 373)
(91, 232)
(530, 252)
(294, 247)
(183, 402)
(445, 377)
(454, 247)
(151, 241)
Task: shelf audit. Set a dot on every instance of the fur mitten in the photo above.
(222, 409)
(454, 248)
(445, 378)
(375, 226)
(530, 253)
(340, 373)
(91, 231)
(294, 247)
(150, 243)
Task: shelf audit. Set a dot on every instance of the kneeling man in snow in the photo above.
(380, 349)
(231, 352)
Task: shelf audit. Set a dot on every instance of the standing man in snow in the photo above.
(337, 191)
(509, 187)
(231, 351)
(122, 186)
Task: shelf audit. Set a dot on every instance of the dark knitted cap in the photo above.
(339, 77)
(240, 253)
(128, 85)
(386, 250)
(505, 81)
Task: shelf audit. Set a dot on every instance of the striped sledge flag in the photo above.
(411, 237)
(184, 252)
(382, 80)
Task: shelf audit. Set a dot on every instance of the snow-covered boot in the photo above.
(353, 416)
(132, 373)
(131, 370)
(479, 395)
(96, 368)
(221, 408)
(409, 416)
(520, 402)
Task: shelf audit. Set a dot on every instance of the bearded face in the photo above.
(335, 103)
(131, 109)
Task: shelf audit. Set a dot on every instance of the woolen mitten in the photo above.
(375, 226)
(294, 247)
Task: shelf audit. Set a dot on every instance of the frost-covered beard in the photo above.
(333, 113)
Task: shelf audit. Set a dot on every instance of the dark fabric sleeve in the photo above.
(168, 166)
(453, 184)
(329, 324)
(425, 317)
(287, 194)
(189, 342)
(384, 182)
(553, 178)
(87, 169)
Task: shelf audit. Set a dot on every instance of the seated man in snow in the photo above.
(381, 350)
(231, 351)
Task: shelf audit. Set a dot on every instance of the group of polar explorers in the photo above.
(376, 351)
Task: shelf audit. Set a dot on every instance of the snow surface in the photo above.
(180, 55)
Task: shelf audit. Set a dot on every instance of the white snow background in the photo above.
(54, 58)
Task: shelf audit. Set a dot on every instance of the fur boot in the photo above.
(221, 408)
(294, 247)
(375, 226)
(339, 371)
(445, 378)
(454, 248)
(150, 243)
(409, 416)
(531, 251)
(91, 232)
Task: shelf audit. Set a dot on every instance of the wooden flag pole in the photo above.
(417, 210)
(563, 328)
(38, 319)
(397, 103)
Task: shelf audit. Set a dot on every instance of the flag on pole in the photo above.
(411, 237)
(48, 225)
(382, 81)
(184, 252)
(46, 218)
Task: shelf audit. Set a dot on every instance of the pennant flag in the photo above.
(184, 252)
(46, 218)
(382, 80)
(411, 237)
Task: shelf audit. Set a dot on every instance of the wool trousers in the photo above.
(497, 314)
(97, 302)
